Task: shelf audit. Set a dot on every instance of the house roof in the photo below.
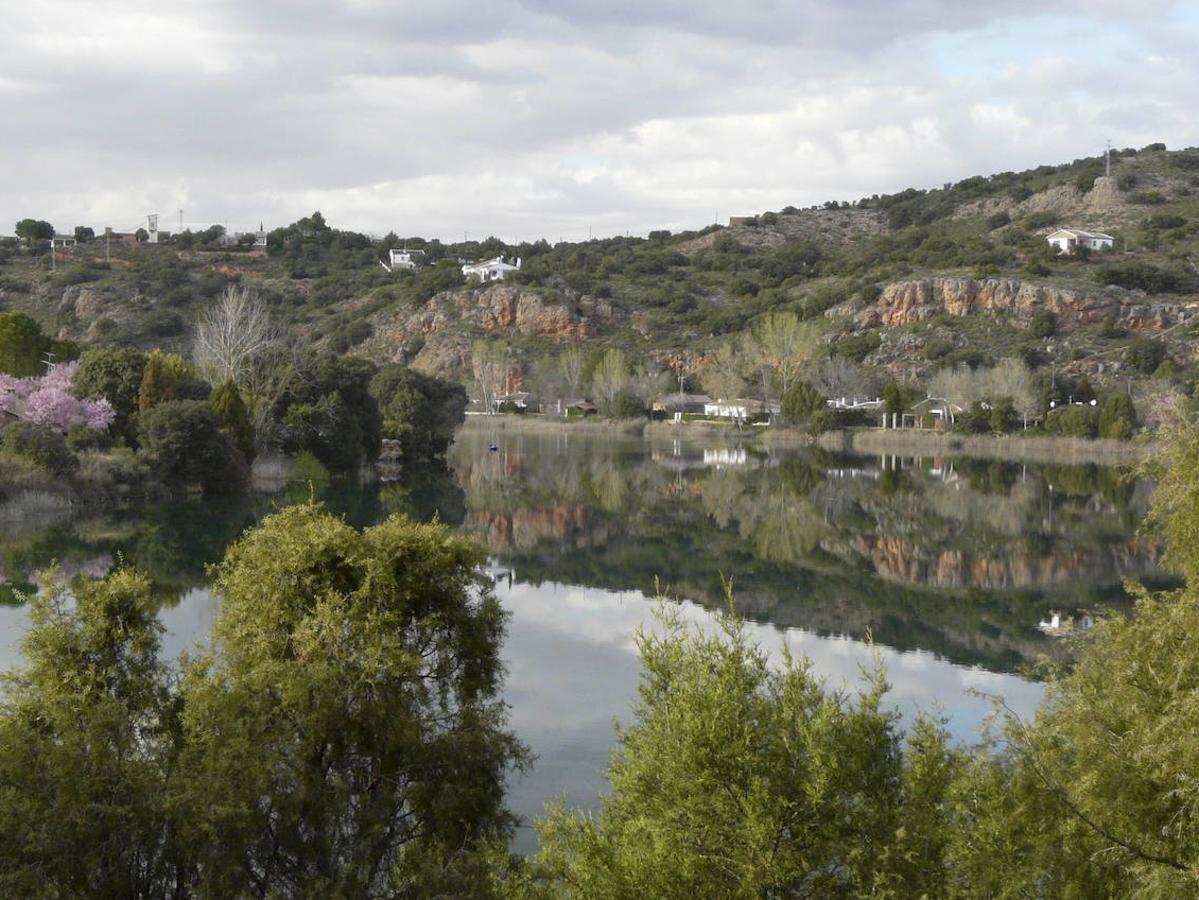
(1081, 235)
(496, 263)
(683, 398)
(936, 401)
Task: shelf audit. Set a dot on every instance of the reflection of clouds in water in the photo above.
(573, 669)
(605, 622)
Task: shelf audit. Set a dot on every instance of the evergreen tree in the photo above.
(234, 418)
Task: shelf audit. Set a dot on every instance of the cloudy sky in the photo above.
(534, 118)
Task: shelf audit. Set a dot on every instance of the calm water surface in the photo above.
(939, 568)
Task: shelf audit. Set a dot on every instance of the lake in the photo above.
(939, 569)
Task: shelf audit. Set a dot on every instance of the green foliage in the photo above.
(1145, 354)
(1117, 416)
(1073, 420)
(625, 405)
(22, 344)
(1043, 324)
(801, 401)
(86, 745)
(975, 420)
(1038, 220)
(1145, 276)
(184, 440)
(113, 374)
(418, 410)
(858, 346)
(234, 418)
(1003, 418)
(343, 736)
(34, 230)
(42, 446)
(741, 779)
(331, 412)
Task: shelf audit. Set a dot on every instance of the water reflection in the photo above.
(959, 557)
(948, 565)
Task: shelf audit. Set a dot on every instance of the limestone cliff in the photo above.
(437, 336)
(908, 302)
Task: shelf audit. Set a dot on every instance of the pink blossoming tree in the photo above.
(47, 400)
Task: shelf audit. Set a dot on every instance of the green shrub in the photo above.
(81, 437)
(1145, 354)
(626, 405)
(184, 440)
(1117, 415)
(858, 346)
(1073, 421)
(1043, 324)
(801, 401)
(998, 220)
(1044, 219)
(1004, 418)
(44, 447)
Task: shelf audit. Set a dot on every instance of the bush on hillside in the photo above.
(1073, 421)
(1145, 354)
(184, 440)
(1043, 324)
(42, 446)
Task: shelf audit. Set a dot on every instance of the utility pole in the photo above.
(181, 221)
(52, 256)
(1108, 159)
(107, 243)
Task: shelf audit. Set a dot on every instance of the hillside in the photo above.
(903, 284)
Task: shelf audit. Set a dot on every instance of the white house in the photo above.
(739, 409)
(405, 259)
(491, 269)
(62, 240)
(1067, 240)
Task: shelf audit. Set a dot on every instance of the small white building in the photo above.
(490, 269)
(405, 259)
(1067, 240)
(739, 409)
(60, 241)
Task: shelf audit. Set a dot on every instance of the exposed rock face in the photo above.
(1104, 195)
(899, 559)
(451, 320)
(906, 302)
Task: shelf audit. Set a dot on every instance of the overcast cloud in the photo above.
(547, 118)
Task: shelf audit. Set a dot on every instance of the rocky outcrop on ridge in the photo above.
(437, 336)
(907, 302)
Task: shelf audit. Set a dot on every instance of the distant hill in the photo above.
(903, 283)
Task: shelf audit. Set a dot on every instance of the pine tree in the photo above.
(155, 387)
(234, 418)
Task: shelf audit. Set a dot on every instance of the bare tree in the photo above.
(491, 362)
(1012, 379)
(571, 365)
(837, 376)
(960, 387)
(722, 377)
(268, 377)
(232, 334)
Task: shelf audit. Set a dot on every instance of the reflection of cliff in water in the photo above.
(955, 557)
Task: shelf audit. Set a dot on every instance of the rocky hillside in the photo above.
(901, 284)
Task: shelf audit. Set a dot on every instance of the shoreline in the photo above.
(1045, 449)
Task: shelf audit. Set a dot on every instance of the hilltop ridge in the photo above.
(902, 284)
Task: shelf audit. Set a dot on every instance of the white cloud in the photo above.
(541, 118)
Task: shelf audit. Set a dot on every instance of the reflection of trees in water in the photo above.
(780, 523)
